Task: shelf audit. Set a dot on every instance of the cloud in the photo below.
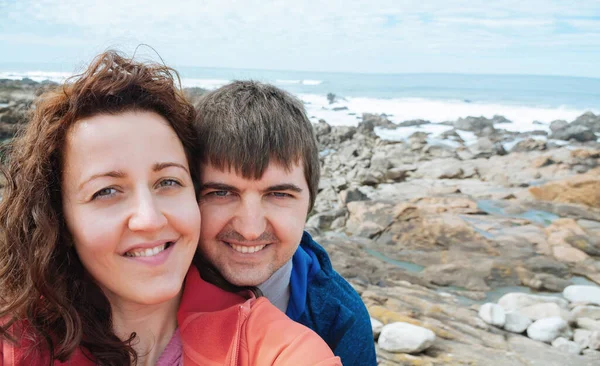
(311, 34)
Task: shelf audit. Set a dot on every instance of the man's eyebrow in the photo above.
(218, 186)
(160, 166)
(284, 187)
(111, 174)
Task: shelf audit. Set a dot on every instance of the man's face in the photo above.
(250, 228)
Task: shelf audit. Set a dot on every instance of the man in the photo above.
(259, 179)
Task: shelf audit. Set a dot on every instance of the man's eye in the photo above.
(280, 194)
(104, 193)
(217, 193)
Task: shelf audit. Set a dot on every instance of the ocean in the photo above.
(530, 102)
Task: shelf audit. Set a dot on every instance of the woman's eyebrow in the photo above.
(160, 166)
(110, 174)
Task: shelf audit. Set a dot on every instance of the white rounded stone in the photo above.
(516, 322)
(582, 294)
(582, 337)
(548, 329)
(517, 300)
(376, 325)
(586, 311)
(567, 346)
(587, 323)
(405, 337)
(492, 314)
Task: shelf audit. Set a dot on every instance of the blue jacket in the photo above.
(323, 301)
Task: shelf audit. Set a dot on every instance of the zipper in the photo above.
(243, 312)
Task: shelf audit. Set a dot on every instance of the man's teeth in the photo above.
(149, 252)
(247, 249)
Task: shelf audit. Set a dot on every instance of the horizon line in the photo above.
(330, 72)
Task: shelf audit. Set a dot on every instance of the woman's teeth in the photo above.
(247, 249)
(149, 252)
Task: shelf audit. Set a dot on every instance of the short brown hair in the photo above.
(43, 284)
(245, 124)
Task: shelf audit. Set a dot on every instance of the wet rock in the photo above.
(352, 195)
(586, 244)
(559, 124)
(467, 275)
(323, 220)
(374, 120)
(492, 314)
(548, 329)
(529, 145)
(574, 132)
(413, 122)
(567, 346)
(516, 322)
(583, 294)
(473, 124)
(589, 120)
(485, 148)
(543, 264)
(541, 281)
(405, 337)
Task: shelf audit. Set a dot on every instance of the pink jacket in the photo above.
(221, 328)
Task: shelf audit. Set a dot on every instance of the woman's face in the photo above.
(130, 206)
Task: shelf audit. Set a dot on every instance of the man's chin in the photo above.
(249, 280)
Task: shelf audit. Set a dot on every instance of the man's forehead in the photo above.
(211, 171)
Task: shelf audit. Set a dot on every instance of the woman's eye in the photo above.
(104, 192)
(169, 183)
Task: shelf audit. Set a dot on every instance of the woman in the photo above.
(99, 228)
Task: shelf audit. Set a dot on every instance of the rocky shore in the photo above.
(465, 253)
(445, 235)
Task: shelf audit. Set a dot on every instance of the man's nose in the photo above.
(250, 219)
(146, 215)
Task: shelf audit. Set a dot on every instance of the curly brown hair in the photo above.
(46, 294)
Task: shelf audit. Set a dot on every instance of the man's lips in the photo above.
(246, 249)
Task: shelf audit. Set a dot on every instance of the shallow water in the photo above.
(408, 266)
(490, 296)
(493, 208)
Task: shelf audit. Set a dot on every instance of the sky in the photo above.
(546, 37)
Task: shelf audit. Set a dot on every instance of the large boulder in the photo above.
(589, 120)
(378, 120)
(486, 148)
(529, 145)
(574, 132)
(581, 189)
(405, 337)
(473, 124)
